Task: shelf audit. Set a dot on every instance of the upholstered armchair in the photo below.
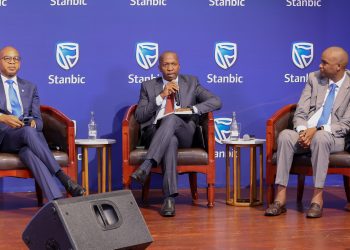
(190, 160)
(339, 163)
(58, 130)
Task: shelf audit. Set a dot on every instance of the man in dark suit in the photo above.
(19, 98)
(321, 122)
(163, 134)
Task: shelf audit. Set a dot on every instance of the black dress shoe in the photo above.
(74, 189)
(314, 211)
(168, 207)
(140, 176)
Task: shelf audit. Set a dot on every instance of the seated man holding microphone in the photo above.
(163, 132)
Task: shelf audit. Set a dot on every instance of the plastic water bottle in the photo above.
(92, 127)
(234, 130)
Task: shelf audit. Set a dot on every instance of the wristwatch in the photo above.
(320, 128)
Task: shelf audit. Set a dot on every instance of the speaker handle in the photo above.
(107, 214)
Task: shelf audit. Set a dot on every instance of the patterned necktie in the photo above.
(328, 105)
(16, 107)
(169, 105)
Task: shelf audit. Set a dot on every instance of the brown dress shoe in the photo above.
(315, 211)
(276, 208)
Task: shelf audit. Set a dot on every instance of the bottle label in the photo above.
(92, 133)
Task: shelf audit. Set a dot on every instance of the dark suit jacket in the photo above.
(190, 91)
(30, 101)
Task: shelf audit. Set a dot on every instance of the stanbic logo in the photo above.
(68, 2)
(3, 3)
(67, 55)
(304, 3)
(302, 54)
(222, 128)
(224, 3)
(146, 58)
(225, 55)
(146, 54)
(143, 3)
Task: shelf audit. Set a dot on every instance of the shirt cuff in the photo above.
(327, 128)
(300, 128)
(195, 110)
(159, 100)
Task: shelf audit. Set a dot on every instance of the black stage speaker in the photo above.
(100, 221)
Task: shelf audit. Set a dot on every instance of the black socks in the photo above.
(62, 177)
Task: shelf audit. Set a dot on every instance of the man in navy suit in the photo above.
(19, 98)
(163, 135)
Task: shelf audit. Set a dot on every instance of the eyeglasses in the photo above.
(8, 59)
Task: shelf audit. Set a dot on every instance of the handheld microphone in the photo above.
(177, 98)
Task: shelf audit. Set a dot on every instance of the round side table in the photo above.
(103, 146)
(236, 146)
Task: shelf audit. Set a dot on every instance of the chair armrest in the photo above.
(58, 130)
(279, 121)
(130, 133)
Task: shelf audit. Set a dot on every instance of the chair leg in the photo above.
(346, 180)
(145, 189)
(300, 190)
(210, 194)
(39, 194)
(193, 184)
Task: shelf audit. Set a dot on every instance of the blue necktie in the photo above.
(16, 107)
(328, 105)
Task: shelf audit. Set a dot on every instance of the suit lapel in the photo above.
(343, 92)
(22, 87)
(182, 90)
(159, 86)
(2, 96)
(321, 92)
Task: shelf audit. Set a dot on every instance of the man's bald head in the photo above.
(10, 61)
(333, 63)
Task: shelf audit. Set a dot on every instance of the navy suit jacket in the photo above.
(30, 100)
(190, 91)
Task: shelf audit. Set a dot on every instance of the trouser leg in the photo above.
(29, 137)
(287, 146)
(169, 168)
(41, 174)
(322, 144)
(170, 125)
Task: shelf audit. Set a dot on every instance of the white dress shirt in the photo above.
(6, 88)
(162, 102)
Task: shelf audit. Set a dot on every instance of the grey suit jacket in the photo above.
(30, 101)
(190, 91)
(312, 99)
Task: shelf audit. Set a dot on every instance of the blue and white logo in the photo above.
(225, 54)
(147, 54)
(67, 55)
(222, 129)
(302, 54)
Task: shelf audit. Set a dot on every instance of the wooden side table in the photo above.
(103, 146)
(236, 186)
